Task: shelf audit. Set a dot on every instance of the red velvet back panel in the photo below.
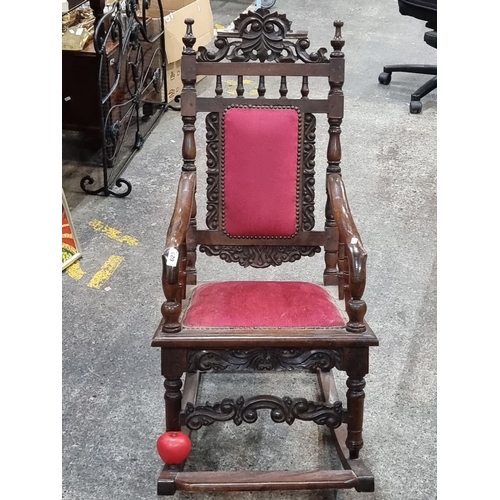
(261, 156)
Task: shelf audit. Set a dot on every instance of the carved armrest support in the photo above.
(174, 254)
(356, 254)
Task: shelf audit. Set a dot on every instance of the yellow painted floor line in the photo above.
(75, 271)
(113, 233)
(235, 82)
(106, 271)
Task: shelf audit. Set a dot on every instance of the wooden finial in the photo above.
(189, 39)
(338, 42)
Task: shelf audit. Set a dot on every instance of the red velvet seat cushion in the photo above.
(260, 171)
(254, 304)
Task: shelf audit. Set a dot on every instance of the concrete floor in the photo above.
(112, 389)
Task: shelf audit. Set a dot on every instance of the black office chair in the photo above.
(426, 10)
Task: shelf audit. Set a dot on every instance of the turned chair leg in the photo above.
(173, 400)
(173, 363)
(355, 407)
(356, 367)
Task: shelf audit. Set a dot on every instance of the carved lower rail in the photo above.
(239, 360)
(245, 410)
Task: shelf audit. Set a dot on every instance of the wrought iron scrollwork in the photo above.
(265, 36)
(230, 360)
(245, 410)
(132, 87)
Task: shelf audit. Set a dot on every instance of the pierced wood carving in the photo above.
(265, 36)
(212, 135)
(264, 360)
(245, 410)
(309, 152)
(259, 256)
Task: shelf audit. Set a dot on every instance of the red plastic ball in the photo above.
(173, 447)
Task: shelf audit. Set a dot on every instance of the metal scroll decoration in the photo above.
(265, 36)
(132, 78)
(245, 410)
(231, 360)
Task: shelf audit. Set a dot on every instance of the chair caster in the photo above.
(385, 78)
(415, 107)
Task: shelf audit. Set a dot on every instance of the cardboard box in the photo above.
(174, 13)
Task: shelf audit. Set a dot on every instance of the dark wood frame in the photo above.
(193, 351)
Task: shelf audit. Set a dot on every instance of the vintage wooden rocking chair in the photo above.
(260, 213)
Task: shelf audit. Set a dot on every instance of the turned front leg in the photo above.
(173, 399)
(356, 366)
(173, 366)
(355, 409)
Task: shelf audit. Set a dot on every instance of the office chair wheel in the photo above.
(385, 78)
(415, 107)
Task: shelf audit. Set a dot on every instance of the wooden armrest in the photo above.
(179, 223)
(173, 286)
(349, 235)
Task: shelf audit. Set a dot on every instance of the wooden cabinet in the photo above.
(81, 109)
(88, 78)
